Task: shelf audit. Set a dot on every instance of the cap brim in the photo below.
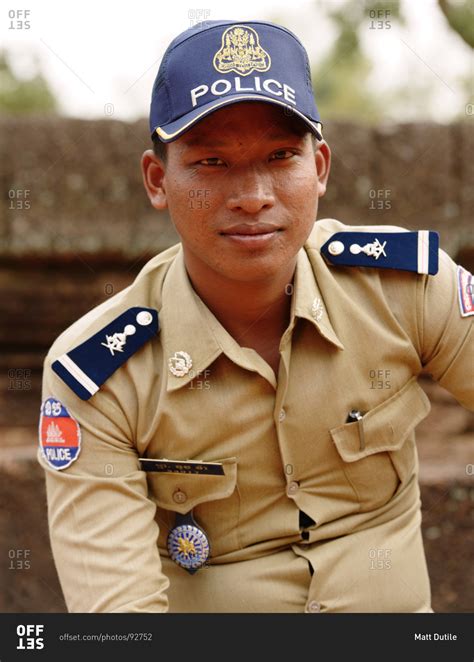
(169, 132)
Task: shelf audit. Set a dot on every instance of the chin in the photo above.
(249, 270)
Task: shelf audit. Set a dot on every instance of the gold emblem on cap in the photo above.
(241, 52)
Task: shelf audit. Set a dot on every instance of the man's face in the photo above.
(242, 189)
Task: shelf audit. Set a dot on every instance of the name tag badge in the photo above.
(182, 467)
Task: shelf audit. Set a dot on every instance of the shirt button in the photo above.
(314, 607)
(179, 496)
(144, 318)
(336, 247)
(282, 415)
(292, 488)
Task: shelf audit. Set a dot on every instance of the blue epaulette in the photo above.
(408, 251)
(86, 367)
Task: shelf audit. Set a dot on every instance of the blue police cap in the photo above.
(218, 63)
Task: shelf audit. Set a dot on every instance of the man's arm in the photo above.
(101, 521)
(446, 323)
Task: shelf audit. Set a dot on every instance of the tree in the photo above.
(460, 16)
(341, 79)
(23, 96)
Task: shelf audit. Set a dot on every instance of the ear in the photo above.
(153, 171)
(323, 166)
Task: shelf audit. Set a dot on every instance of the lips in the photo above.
(251, 229)
(251, 236)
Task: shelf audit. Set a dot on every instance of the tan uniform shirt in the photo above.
(357, 339)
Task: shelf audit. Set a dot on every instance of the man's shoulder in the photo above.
(325, 228)
(143, 292)
(377, 247)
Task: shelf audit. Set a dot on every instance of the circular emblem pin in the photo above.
(180, 364)
(188, 546)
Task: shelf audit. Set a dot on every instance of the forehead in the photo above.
(242, 120)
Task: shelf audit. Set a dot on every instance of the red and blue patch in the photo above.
(465, 283)
(59, 435)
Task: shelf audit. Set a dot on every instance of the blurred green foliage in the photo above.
(460, 16)
(342, 77)
(23, 96)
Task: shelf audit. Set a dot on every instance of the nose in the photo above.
(251, 191)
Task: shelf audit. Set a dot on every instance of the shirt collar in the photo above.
(187, 324)
(308, 302)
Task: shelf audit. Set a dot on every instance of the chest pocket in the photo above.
(214, 500)
(379, 451)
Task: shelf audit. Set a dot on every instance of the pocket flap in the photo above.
(384, 428)
(181, 492)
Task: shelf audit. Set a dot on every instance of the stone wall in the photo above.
(82, 184)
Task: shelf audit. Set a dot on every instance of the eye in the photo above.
(281, 155)
(212, 161)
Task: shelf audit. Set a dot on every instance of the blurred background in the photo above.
(394, 85)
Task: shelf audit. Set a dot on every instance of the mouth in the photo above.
(252, 235)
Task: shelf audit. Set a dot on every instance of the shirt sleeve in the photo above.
(447, 336)
(101, 522)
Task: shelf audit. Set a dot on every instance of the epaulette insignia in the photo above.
(407, 251)
(86, 367)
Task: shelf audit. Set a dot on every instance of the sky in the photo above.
(101, 58)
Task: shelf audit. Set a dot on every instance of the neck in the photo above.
(246, 309)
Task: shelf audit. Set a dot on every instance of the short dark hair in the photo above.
(159, 148)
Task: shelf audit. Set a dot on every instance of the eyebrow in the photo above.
(215, 142)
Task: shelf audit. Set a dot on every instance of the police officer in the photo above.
(215, 437)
